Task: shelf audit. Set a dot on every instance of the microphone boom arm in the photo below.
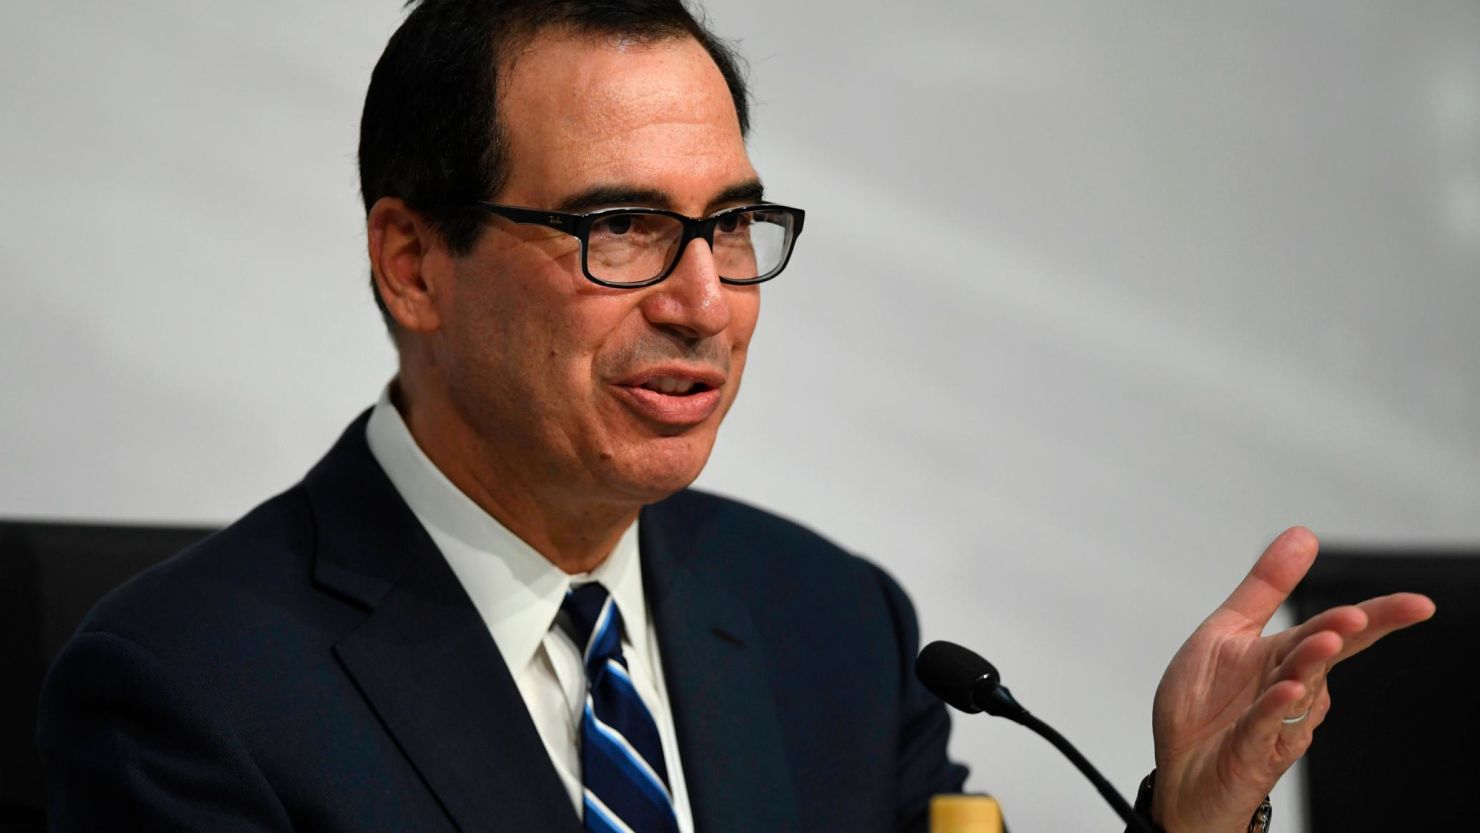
(1106, 789)
(967, 681)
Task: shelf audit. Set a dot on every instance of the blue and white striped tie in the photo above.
(626, 782)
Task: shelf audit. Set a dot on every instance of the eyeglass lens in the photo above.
(637, 247)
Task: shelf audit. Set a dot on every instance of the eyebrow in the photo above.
(748, 191)
(603, 196)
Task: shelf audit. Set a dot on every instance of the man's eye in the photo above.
(732, 223)
(621, 224)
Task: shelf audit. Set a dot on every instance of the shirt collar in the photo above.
(516, 590)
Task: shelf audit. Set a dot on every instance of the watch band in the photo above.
(1258, 824)
(1262, 814)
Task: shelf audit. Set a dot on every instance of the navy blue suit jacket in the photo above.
(317, 666)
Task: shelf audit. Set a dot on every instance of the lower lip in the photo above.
(667, 409)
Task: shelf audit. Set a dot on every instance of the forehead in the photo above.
(579, 111)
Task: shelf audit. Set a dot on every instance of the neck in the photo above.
(575, 535)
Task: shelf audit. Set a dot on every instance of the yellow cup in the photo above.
(965, 814)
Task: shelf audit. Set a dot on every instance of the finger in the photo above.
(1257, 732)
(1320, 707)
(1307, 663)
(1294, 738)
(1273, 576)
(1310, 658)
(1345, 622)
(1386, 614)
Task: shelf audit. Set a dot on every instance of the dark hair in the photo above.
(430, 133)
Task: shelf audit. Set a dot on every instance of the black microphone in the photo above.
(967, 681)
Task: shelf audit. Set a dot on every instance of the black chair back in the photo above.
(1397, 751)
(51, 574)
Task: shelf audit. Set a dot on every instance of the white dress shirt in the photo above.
(518, 593)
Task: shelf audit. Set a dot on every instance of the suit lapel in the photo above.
(729, 736)
(427, 665)
(422, 656)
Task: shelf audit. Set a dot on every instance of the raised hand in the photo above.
(1235, 709)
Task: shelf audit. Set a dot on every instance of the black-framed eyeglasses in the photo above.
(634, 247)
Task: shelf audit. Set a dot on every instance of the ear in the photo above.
(409, 261)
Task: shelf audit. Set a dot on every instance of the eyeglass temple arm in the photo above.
(531, 216)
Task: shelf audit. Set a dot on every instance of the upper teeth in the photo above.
(668, 384)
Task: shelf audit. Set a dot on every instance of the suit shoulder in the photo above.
(250, 562)
(707, 513)
(759, 542)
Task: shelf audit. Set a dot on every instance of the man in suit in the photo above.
(493, 605)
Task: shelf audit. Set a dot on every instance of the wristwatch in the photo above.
(1258, 824)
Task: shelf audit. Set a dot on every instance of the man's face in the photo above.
(608, 394)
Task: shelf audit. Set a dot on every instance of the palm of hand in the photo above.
(1218, 718)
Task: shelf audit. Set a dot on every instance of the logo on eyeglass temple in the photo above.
(556, 221)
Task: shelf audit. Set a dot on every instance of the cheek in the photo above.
(746, 311)
(493, 344)
(572, 352)
(512, 306)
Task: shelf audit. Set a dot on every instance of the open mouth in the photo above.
(674, 397)
(673, 386)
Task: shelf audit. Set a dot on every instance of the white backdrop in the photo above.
(1093, 300)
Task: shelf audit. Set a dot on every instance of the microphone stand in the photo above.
(984, 691)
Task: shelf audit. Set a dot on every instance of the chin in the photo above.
(658, 468)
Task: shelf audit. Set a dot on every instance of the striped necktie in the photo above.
(626, 782)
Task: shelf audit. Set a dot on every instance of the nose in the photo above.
(691, 302)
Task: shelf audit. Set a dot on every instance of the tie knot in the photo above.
(595, 624)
